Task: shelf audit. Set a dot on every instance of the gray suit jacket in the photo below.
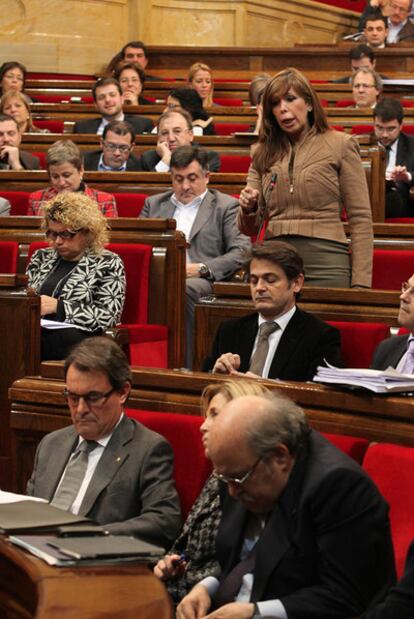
(131, 491)
(389, 352)
(215, 239)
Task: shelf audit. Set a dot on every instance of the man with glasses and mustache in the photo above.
(105, 465)
(400, 28)
(398, 351)
(116, 154)
(304, 532)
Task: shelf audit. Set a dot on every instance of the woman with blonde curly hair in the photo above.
(193, 554)
(80, 283)
(64, 164)
(16, 105)
(201, 79)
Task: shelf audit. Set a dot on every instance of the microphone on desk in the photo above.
(265, 209)
(353, 37)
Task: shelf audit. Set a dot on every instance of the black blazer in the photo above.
(91, 161)
(91, 125)
(389, 352)
(399, 603)
(305, 343)
(326, 550)
(150, 159)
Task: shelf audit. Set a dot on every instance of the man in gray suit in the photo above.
(127, 481)
(208, 219)
(398, 351)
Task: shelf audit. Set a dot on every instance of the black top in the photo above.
(54, 283)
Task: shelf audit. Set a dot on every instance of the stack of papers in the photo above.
(378, 381)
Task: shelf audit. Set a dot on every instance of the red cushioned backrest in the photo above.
(8, 256)
(226, 101)
(40, 98)
(41, 155)
(229, 128)
(362, 129)
(400, 220)
(390, 268)
(355, 447)
(337, 127)
(54, 126)
(345, 103)
(19, 201)
(392, 469)
(130, 204)
(409, 129)
(36, 75)
(407, 102)
(137, 259)
(234, 163)
(191, 467)
(359, 340)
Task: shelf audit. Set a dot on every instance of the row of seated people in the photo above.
(289, 489)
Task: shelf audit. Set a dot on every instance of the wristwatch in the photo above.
(204, 271)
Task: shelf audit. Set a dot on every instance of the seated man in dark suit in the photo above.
(360, 56)
(11, 156)
(208, 219)
(397, 351)
(297, 342)
(108, 101)
(107, 466)
(175, 129)
(399, 147)
(116, 154)
(304, 532)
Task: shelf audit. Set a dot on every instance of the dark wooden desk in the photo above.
(29, 588)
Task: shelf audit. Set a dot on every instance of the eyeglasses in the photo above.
(398, 9)
(94, 399)
(364, 86)
(51, 235)
(123, 148)
(177, 132)
(407, 289)
(237, 481)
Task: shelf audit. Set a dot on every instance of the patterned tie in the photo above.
(408, 367)
(259, 358)
(73, 477)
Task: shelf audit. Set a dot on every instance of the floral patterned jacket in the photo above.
(94, 293)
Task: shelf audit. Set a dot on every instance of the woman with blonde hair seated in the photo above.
(80, 283)
(193, 554)
(16, 105)
(200, 78)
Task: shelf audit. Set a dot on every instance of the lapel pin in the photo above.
(118, 459)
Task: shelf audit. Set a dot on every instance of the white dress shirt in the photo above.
(185, 214)
(274, 338)
(106, 121)
(394, 31)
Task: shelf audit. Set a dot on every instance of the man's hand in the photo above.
(248, 199)
(400, 173)
(235, 610)
(48, 305)
(193, 269)
(195, 605)
(165, 568)
(228, 363)
(163, 151)
(12, 155)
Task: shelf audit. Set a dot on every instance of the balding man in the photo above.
(400, 27)
(304, 532)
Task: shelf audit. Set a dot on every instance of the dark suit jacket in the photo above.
(407, 33)
(27, 160)
(131, 491)
(399, 603)
(305, 343)
(389, 352)
(398, 202)
(150, 159)
(326, 550)
(91, 125)
(91, 161)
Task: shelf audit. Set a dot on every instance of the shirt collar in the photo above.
(102, 167)
(196, 202)
(282, 320)
(105, 440)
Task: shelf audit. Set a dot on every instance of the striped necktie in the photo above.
(73, 477)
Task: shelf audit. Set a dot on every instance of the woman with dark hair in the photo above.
(12, 77)
(131, 79)
(303, 174)
(188, 99)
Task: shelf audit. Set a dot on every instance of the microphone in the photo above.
(266, 202)
(353, 37)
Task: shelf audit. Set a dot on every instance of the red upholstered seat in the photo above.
(359, 340)
(19, 201)
(362, 129)
(191, 467)
(337, 128)
(226, 101)
(234, 163)
(392, 469)
(400, 220)
(42, 75)
(34, 247)
(390, 268)
(148, 343)
(9, 251)
(233, 79)
(407, 102)
(41, 155)
(54, 126)
(63, 98)
(130, 204)
(355, 447)
(408, 129)
(345, 103)
(229, 128)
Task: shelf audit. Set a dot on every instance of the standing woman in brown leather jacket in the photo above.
(302, 176)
